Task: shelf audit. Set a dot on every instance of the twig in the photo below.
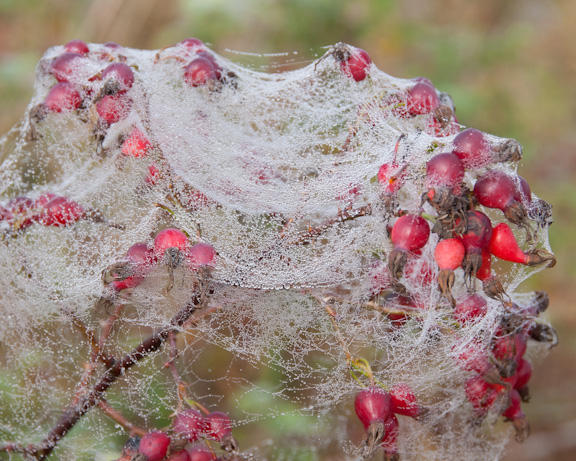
(114, 414)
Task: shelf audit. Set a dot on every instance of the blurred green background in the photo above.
(510, 66)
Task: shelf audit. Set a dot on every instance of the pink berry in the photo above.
(404, 401)
(523, 193)
(201, 254)
(523, 373)
(154, 445)
(66, 65)
(60, 212)
(112, 108)
(153, 175)
(200, 453)
(392, 177)
(121, 74)
(481, 394)
(478, 232)
(191, 43)
(449, 254)
(474, 358)
(357, 64)
(199, 72)
(179, 456)
(372, 405)
(410, 232)
(422, 99)
(142, 258)
(470, 308)
(77, 46)
(472, 148)
(169, 238)
(189, 424)
(390, 440)
(136, 145)
(514, 410)
(63, 97)
(43, 199)
(219, 425)
(495, 190)
(444, 170)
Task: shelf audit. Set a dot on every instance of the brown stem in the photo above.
(114, 414)
(73, 413)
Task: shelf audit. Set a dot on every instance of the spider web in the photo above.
(277, 173)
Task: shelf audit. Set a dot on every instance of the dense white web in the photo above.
(278, 173)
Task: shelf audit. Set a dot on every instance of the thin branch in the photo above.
(114, 414)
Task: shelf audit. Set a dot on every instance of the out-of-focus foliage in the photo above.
(510, 66)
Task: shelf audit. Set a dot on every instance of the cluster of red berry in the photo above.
(48, 210)
(171, 247)
(189, 429)
(467, 240)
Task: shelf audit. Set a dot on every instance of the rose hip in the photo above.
(200, 71)
(403, 401)
(444, 170)
(120, 74)
(472, 148)
(63, 97)
(189, 424)
(66, 65)
(470, 308)
(77, 46)
(356, 64)
(154, 445)
(113, 108)
(422, 99)
(136, 145)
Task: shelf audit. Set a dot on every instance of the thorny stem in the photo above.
(114, 414)
(74, 412)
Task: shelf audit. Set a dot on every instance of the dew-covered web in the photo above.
(278, 173)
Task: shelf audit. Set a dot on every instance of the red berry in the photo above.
(112, 108)
(218, 425)
(153, 175)
(199, 72)
(481, 394)
(504, 348)
(154, 445)
(357, 64)
(422, 99)
(60, 212)
(503, 245)
(66, 65)
(77, 46)
(514, 410)
(419, 270)
(179, 456)
(478, 231)
(472, 148)
(63, 97)
(372, 405)
(404, 401)
(485, 270)
(201, 254)
(121, 74)
(449, 254)
(390, 440)
(444, 170)
(474, 358)
(136, 145)
(191, 43)
(495, 190)
(43, 199)
(200, 453)
(523, 373)
(189, 424)
(391, 176)
(169, 238)
(523, 193)
(470, 308)
(410, 232)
